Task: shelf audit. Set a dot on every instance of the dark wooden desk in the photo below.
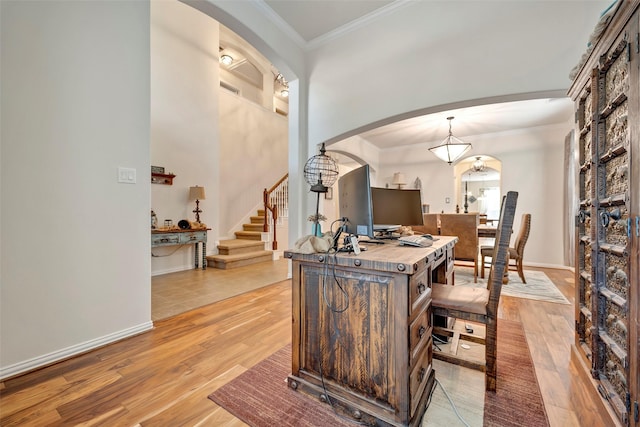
(362, 329)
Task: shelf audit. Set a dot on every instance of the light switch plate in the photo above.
(127, 175)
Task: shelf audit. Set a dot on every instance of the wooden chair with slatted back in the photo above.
(465, 226)
(516, 253)
(477, 304)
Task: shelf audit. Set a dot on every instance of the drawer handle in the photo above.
(421, 288)
(421, 374)
(421, 331)
(164, 240)
(193, 238)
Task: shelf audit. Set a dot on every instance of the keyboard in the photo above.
(419, 241)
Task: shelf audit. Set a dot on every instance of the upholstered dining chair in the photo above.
(477, 304)
(429, 224)
(465, 226)
(516, 253)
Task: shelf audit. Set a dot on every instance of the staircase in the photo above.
(247, 248)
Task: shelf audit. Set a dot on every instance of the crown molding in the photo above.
(277, 20)
(356, 24)
(319, 41)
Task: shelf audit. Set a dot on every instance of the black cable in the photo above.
(174, 251)
(331, 255)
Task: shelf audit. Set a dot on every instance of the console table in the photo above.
(362, 329)
(183, 237)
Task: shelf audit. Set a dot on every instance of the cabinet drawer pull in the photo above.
(421, 374)
(421, 331)
(421, 288)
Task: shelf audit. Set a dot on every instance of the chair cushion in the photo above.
(463, 298)
(486, 250)
(513, 254)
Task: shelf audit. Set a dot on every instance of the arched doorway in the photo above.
(478, 185)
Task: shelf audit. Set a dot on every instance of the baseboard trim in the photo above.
(543, 265)
(172, 270)
(75, 350)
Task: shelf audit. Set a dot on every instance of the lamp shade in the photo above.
(451, 148)
(196, 193)
(399, 179)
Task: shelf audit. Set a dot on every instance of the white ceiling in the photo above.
(313, 20)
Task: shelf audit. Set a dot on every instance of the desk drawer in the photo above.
(450, 259)
(420, 331)
(193, 236)
(420, 375)
(165, 239)
(419, 290)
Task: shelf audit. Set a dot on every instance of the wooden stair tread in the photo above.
(247, 255)
(226, 262)
(246, 249)
(249, 235)
(239, 243)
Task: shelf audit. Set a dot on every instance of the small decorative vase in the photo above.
(316, 229)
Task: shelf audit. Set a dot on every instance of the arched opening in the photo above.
(478, 185)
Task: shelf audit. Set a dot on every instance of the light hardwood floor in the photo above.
(176, 293)
(163, 377)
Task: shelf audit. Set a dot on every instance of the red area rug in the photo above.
(517, 400)
(260, 396)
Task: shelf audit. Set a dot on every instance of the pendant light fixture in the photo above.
(478, 165)
(451, 148)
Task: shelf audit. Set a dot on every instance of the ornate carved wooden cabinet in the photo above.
(362, 330)
(607, 96)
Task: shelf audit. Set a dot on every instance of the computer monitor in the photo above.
(354, 193)
(395, 207)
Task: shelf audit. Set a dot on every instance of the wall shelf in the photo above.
(162, 178)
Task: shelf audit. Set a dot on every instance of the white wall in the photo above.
(532, 164)
(253, 153)
(252, 22)
(75, 243)
(184, 121)
(408, 63)
(421, 57)
(207, 136)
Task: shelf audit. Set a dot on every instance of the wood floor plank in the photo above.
(163, 376)
(195, 406)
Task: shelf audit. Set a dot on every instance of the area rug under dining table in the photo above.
(538, 287)
(260, 396)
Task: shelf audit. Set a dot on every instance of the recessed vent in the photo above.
(230, 88)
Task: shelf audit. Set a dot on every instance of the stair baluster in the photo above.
(276, 200)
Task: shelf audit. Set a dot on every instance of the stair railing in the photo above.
(276, 199)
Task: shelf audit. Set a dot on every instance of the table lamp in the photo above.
(399, 179)
(196, 193)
